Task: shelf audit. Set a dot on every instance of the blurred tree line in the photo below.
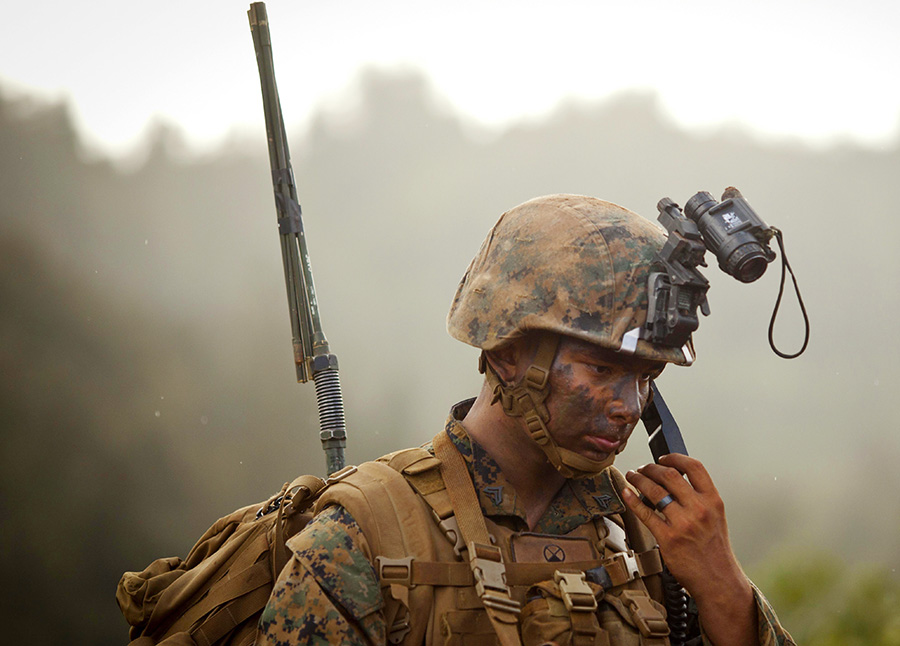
(825, 603)
(147, 385)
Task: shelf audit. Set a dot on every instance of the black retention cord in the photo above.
(786, 265)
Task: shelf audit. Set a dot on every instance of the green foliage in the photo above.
(825, 601)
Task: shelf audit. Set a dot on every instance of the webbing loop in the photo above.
(785, 265)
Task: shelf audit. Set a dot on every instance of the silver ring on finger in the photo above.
(665, 502)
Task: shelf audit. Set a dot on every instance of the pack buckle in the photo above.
(450, 527)
(395, 571)
(629, 563)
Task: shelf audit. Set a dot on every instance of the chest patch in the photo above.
(528, 547)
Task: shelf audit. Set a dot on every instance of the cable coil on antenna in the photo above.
(333, 427)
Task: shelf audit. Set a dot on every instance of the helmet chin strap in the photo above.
(526, 399)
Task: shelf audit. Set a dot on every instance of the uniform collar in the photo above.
(576, 503)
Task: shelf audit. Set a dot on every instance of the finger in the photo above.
(693, 469)
(645, 514)
(653, 491)
(669, 479)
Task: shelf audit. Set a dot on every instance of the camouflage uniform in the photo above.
(329, 592)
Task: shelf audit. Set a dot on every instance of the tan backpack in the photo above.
(217, 593)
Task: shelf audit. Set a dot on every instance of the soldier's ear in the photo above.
(507, 361)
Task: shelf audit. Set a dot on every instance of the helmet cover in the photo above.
(570, 264)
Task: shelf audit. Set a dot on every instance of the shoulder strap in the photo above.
(396, 525)
(639, 537)
(485, 559)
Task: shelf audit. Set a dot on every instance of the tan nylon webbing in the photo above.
(522, 574)
(187, 596)
(226, 590)
(396, 526)
(461, 491)
(227, 618)
(471, 524)
(460, 574)
(641, 540)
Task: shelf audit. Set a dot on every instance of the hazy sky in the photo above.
(821, 70)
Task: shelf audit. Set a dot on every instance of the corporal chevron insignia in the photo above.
(603, 501)
(495, 494)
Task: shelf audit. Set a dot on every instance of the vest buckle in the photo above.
(487, 566)
(629, 561)
(648, 619)
(400, 628)
(576, 593)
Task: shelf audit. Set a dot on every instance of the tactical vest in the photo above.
(597, 585)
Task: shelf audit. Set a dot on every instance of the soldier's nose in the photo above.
(625, 407)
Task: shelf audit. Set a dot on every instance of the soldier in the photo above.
(511, 526)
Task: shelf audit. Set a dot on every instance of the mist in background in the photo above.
(147, 376)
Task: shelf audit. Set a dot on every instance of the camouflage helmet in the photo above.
(569, 264)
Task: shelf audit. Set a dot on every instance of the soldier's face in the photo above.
(596, 397)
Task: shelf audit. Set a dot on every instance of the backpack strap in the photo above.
(396, 526)
(485, 559)
(230, 617)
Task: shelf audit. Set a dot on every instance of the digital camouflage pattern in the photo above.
(329, 592)
(771, 633)
(566, 263)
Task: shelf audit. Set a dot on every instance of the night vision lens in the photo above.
(750, 266)
(729, 231)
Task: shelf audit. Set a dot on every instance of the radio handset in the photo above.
(665, 436)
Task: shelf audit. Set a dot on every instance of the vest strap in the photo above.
(485, 560)
(580, 603)
(616, 570)
(488, 573)
(640, 538)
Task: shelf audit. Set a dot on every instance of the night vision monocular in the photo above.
(738, 237)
